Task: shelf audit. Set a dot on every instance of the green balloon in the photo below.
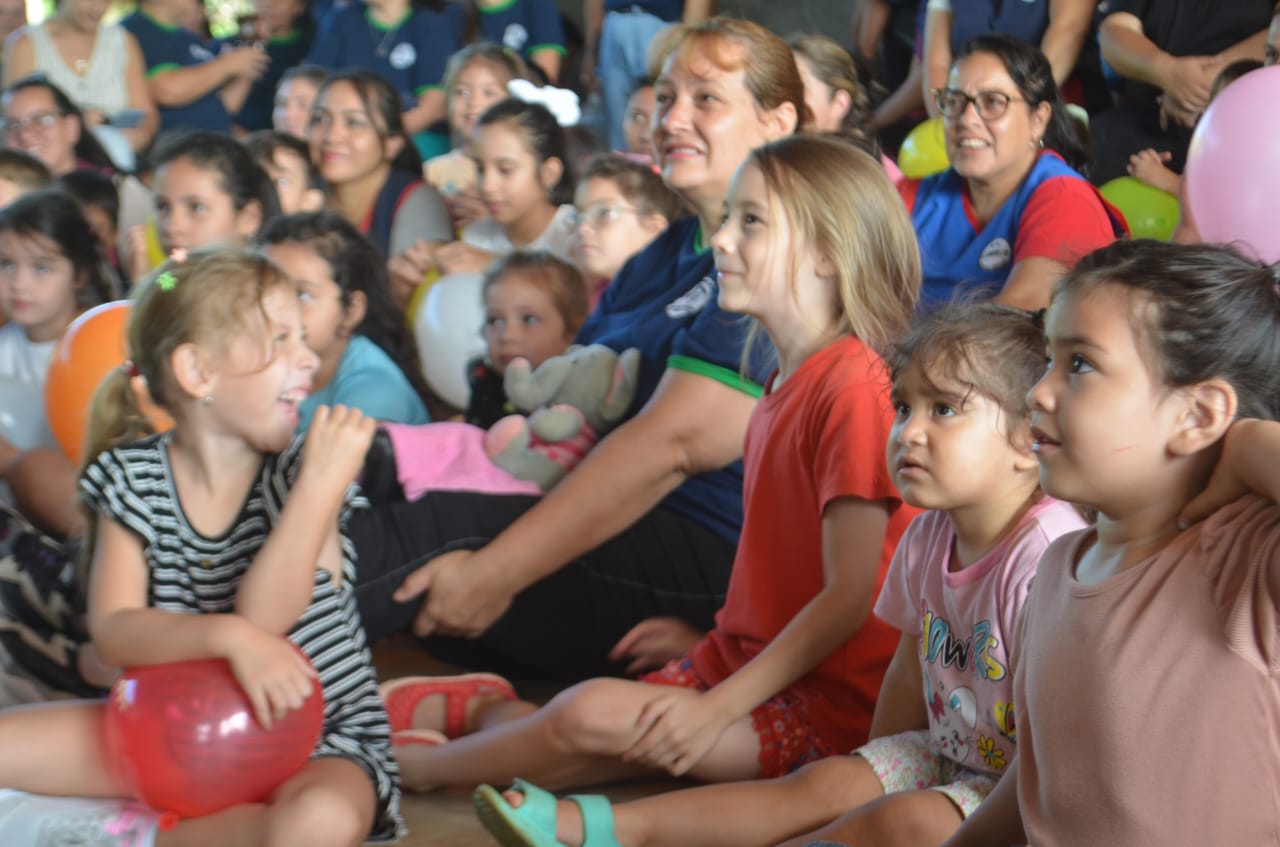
(1150, 212)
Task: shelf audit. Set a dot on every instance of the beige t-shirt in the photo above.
(1148, 705)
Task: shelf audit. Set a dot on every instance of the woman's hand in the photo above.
(459, 257)
(275, 676)
(1188, 80)
(462, 599)
(654, 642)
(337, 441)
(680, 727)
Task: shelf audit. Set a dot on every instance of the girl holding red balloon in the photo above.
(220, 540)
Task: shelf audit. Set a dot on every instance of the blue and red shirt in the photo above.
(1055, 213)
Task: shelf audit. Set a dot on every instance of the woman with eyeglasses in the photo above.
(100, 67)
(39, 118)
(373, 171)
(1013, 212)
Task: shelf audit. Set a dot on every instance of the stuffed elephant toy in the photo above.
(573, 400)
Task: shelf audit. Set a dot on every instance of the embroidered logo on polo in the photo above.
(692, 301)
(515, 37)
(995, 255)
(402, 56)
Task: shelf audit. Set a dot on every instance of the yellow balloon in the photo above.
(155, 253)
(924, 150)
(418, 296)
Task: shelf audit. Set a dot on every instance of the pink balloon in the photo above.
(1233, 167)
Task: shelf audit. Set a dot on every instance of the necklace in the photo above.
(381, 48)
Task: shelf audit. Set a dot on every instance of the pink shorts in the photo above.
(910, 761)
(787, 741)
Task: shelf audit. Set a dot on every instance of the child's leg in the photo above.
(57, 749)
(329, 803)
(576, 739)
(909, 819)
(907, 816)
(735, 814)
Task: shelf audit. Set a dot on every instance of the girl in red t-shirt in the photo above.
(816, 247)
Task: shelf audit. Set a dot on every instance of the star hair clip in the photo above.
(166, 281)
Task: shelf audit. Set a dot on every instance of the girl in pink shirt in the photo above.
(1146, 680)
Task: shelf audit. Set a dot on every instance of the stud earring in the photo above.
(206, 400)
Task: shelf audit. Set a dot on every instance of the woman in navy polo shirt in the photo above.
(647, 525)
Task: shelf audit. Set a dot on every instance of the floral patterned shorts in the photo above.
(910, 761)
(787, 741)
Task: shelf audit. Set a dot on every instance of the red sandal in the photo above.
(402, 695)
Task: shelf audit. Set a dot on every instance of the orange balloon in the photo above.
(91, 347)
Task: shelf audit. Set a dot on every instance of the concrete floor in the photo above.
(445, 818)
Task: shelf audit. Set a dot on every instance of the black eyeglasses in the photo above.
(10, 127)
(990, 104)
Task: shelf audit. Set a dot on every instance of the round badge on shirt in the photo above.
(402, 56)
(995, 255)
(693, 300)
(515, 37)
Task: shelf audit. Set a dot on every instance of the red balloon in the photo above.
(186, 739)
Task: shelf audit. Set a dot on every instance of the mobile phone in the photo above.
(127, 118)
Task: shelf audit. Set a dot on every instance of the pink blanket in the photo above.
(448, 456)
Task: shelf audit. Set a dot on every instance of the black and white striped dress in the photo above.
(192, 574)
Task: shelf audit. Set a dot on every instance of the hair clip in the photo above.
(166, 281)
(560, 102)
(130, 369)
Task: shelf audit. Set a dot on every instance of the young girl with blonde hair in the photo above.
(791, 671)
(222, 538)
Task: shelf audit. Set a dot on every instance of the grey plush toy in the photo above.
(573, 400)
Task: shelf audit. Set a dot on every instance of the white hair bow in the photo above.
(560, 102)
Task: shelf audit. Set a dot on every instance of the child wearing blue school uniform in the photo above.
(166, 47)
(531, 28)
(410, 52)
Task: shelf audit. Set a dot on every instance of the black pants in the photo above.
(1122, 131)
(563, 626)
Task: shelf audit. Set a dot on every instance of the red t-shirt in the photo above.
(821, 435)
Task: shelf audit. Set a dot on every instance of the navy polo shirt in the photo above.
(411, 54)
(663, 302)
(166, 48)
(524, 26)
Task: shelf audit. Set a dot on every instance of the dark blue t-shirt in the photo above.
(285, 52)
(668, 10)
(1026, 19)
(663, 302)
(166, 48)
(410, 55)
(524, 26)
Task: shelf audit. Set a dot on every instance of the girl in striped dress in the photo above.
(222, 538)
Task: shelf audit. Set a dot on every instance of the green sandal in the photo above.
(533, 824)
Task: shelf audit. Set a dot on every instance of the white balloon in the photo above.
(448, 331)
